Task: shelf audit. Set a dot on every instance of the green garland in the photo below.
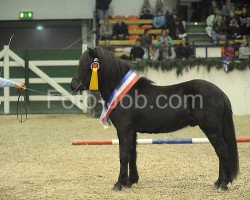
(181, 65)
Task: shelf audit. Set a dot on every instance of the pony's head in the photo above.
(110, 72)
(82, 77)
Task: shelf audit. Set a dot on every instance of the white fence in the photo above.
(10, 59)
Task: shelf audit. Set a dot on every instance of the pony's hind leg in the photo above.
(221, 150)
(133, 173)
(125, 136)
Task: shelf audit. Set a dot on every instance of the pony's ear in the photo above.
(93, 53)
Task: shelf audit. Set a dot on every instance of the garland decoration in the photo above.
(186, 65)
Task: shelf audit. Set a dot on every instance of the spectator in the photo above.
(183, 51)
(210, 22)
(146, 41)
(244, 50)
(107, 45)
(159, 8)
(106, 31)
(227, 55)
(243, 17)
(227, 8)
(245, 29)
(219, 30)
(172, 18)
(159, 20)
(102, 7)
(154, 53)
(166, 52)
(137, 52)
(178, 31)
(233, 29)
(232, 16)
(120, 30)
(146, 10)
(218, 14)
(212, 8)
(211, 19)
(164, 38)
(228, 51)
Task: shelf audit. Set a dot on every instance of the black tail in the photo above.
(230, 139)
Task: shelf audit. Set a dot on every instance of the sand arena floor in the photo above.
(37, 161)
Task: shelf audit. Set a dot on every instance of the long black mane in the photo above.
(110, 66)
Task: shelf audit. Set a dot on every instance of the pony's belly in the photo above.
(161, 126)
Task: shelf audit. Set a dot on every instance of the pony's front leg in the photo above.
(133, 173)
(125, 145)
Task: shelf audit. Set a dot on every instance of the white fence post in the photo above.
(84, 47)
(85, 93)
(6, 71)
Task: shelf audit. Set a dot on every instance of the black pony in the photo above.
(195, 102)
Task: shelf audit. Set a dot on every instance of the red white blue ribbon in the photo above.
(119, 92)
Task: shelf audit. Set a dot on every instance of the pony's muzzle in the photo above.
(75, 85)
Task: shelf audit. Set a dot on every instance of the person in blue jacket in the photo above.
(8, 83)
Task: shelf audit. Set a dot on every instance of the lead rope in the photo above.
(21, 100)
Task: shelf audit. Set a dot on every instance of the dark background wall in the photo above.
(55, 34)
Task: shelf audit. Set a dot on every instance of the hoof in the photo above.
(128, 185)
(117, 187)
(222, 188)
(217, 184)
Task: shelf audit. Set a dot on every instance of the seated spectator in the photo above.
(178, 31)
(183, 51)
(171, 18)
(209, 22)
(120, 30)
(146, 10)
(137, 52)
(211, 19)
(107, 45)
(232, 16)
(166, 52)
(218, 13)
(243, 17)
(146, 41)
(159, 20)
(228, 51)
(234, 29)
(227, 8)
(153, 53)
(245, 28)
(106, 31)
(244, 49)
(227, 55)
(164, 38)
(219, 30)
